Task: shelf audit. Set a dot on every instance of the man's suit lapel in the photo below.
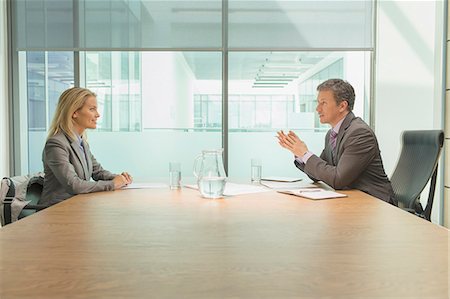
(328, 150)
(345, 124)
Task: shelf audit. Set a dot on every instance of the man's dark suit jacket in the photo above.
(356, 164)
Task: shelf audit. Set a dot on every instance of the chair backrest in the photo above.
(417, 164)
(20, 196)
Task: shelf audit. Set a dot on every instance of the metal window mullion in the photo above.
(443, 169)
(112, 106)
(46, 87)
(139, 65)
(77, 70)
(225, 84)
(76, 42)
(130, 65)
(371, 99)
(113, 121)
(75, 23)
(15, 160)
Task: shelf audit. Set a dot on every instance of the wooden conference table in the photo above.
(157, 243)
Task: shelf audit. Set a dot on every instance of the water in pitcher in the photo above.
(212, 187)
(210, 173)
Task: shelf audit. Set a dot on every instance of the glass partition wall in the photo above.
(165, 71)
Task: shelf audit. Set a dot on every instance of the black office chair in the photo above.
(33, 194)
(418, 163)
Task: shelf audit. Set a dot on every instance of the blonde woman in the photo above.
(68, 162)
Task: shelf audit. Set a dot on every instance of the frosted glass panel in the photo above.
(48, 75)
(300, 24)
(44, 24)
(150, 152)
(122, 24)
(147, 154)
(134, 24)
(116, 79)
(275, 160)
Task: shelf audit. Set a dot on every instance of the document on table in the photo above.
(146, 186)
(287, 185)
(313, 193)
(238, 189)
(281, 179)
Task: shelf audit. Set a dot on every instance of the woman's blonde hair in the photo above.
(70, 101)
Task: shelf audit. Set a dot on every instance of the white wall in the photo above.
(4, 133)
(167, 91)
(355, 72)
(408, 83)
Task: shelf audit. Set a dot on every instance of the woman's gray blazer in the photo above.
(66, 172)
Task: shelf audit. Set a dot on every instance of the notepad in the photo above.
(313, 193)
(287, 185)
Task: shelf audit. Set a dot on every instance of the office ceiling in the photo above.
(252, 65)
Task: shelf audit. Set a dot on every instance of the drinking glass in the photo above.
(256, 171)
(175, 175)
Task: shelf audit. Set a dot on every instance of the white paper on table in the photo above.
(146, 186)
(287, 185)
(313, 193)
(281, 179)
(238, 189)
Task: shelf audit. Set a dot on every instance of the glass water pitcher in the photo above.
(210, 173)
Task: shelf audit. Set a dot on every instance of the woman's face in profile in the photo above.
(86, 117)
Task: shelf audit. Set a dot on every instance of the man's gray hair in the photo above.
(342, 91)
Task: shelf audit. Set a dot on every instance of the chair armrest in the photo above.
(7, 209)
(412, 211)
(409, 210)
(35, 207)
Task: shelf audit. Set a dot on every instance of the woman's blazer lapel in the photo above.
(76, 148)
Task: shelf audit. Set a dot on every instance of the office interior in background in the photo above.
(176, 77)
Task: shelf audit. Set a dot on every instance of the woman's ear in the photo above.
(75, 114)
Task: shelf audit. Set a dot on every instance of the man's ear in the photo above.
(343, 106)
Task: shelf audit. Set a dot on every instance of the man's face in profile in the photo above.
(329, 111)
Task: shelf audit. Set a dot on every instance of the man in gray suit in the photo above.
(351, 158)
